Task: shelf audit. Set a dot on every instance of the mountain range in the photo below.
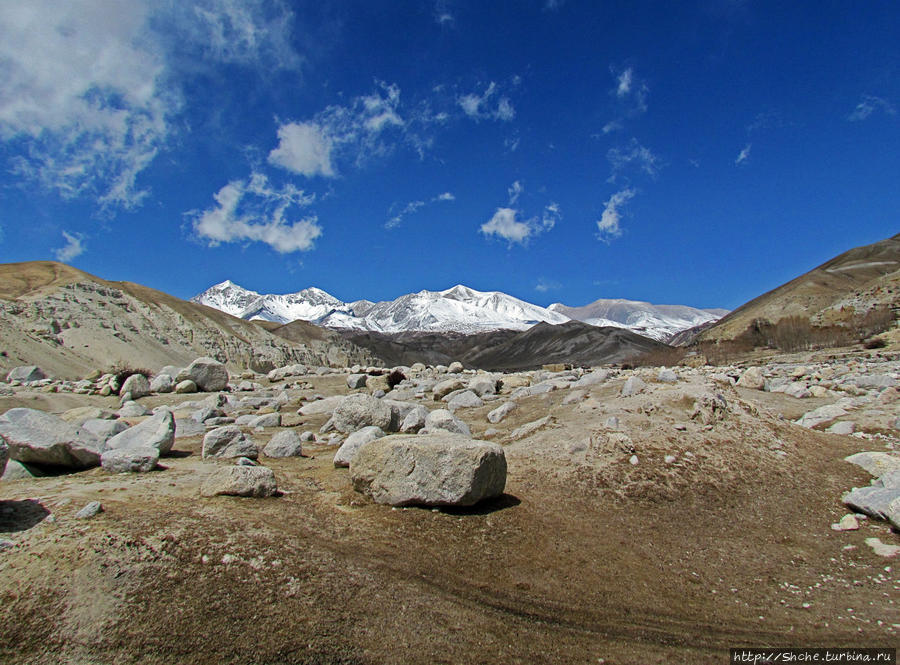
(459, 309)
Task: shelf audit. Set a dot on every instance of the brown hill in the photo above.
(571, 342)
(70, 322)
(852, 283)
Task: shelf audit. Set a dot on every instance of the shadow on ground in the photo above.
(21, 515)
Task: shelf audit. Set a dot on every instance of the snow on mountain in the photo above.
(458, 309)
(309, 304)
(656, 321)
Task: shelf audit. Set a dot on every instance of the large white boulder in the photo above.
(286, 443)
(157, 431)
(442, 419)
(345, 454)
(229, 441)
(440, 469)
(137, 385)
(36, 437)
(361, 410)
(208, 374)
(26, 374)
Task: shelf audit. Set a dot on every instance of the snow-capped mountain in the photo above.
(657, 321)
(458, 309)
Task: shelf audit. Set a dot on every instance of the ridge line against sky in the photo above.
(556, 151)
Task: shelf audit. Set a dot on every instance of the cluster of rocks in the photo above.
(374, 424)
(881, 499)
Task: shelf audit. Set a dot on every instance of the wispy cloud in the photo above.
(553, 5)
(91, 89)
(485, 106)
(744, 155)
(630, 98)
(610, 224)
(413, 207)
(82, 96)
(869, 105)
(515, 191)
(255, 211)
(632, 156)
(73, 248)
(442, 14)
(543, 285)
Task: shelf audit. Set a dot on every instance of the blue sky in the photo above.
(694, 153)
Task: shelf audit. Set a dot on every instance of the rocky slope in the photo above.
(855, 281)
(70, 322)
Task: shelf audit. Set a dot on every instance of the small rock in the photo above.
(285, 444)
(847, 523)
(501, 412)
(185, 387)
(90, 510)
(442, 419)
(247, 481)
(633, 460)
(633, 385)
(139, 459)
(883, 549)
(845, 427)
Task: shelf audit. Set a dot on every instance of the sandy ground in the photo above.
(586, 558)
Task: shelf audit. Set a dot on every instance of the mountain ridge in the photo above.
(458, 309)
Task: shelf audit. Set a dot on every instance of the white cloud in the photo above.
(82, 97)
(505, 225)
(89, 89)
(633, 156)
(609, 225)
(303, 148)
(744, 154)
(479, 107)
(255, 211)
(553, 5)
(369, 126)
(414, 206)
(515, 191)
(73, 248)
(868, 105)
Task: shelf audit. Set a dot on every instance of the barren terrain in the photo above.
(670, 534)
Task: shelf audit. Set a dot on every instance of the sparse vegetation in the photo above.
(122, 372)
(875, 343)
(395, 378)
(664, 357)
(798, 333)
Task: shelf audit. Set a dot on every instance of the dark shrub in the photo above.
(394, 378)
